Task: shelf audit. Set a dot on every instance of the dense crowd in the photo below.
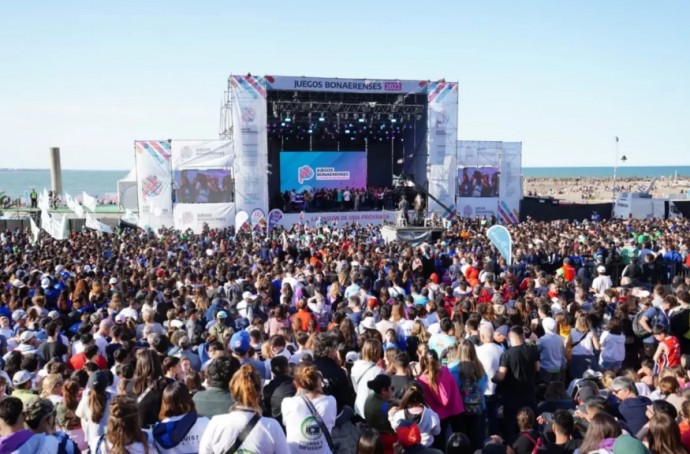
(319, 340)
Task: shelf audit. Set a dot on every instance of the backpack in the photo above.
(637, 326)
(538, 443)
(471, 397)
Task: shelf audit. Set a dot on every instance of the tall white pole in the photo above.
(615, 167)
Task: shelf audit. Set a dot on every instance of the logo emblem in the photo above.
(152, 186)
(310, 429)
(248, 115)
(304, 173)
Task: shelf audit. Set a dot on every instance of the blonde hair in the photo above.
(49, 383)
(245, 388)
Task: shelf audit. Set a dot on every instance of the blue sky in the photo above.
(562, 77)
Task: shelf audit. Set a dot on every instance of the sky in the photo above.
(562, 77)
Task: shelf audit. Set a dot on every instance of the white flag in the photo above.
(73, 205)
(46, 223)
(44, 200)
(89, 202)
(35, 231)
(94, 224)
(58, 226)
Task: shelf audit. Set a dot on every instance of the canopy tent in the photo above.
(127, 191)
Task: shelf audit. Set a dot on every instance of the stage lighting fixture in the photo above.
(282, 124)
(347, 131)
(310, 131)
(322, 118)
(394, 120)
(288, 119)
(362, 119)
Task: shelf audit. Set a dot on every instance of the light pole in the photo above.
(615, 168)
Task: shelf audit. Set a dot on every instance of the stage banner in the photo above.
(345, 85)
(241, 218)
(511, 182)
(309, 170)
(89, 201)
(274, 217)
(442, 124)
(250, 140)
(194, 216)
(339, 218)
(201, 154)
(500, 237)
(154, 183)
(478, 207)
(94, 224)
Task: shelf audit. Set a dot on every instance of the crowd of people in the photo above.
(320, 340)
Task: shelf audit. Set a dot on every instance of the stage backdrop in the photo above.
(203, 177)
(154, 183)
(248, 95)
(308, 170)
(487, 157)
(361, 217)
(442, 139)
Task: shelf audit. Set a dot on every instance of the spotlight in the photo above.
(361, 119)
(347, 131)
(282, 124)
(394, 120)
(322, 118)
(288, 119)
(310, 131)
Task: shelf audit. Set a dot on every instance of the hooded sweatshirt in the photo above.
(179, 434)
(633, 412)
(26, 442)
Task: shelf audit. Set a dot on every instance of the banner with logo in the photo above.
(195, 216)
(154, 183)
(250, 140)
(360, 217)
(501, 239)
(274, 217)
(310, 170)
(201, 154)
(345, 85)
(89, 201)
(442, 123)
(94, 224)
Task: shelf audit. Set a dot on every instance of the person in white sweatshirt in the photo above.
(364, 370)
(413, 408)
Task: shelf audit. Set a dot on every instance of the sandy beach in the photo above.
(597, 190)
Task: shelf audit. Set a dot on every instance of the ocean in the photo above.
(19, 182)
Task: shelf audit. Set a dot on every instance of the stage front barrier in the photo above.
(412, 235)
(340, 218)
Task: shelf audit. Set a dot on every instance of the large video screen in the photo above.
(204, 186)
(311, 170)
(478, 181)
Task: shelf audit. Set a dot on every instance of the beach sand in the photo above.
(599, 190)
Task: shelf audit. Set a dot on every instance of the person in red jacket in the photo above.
(567, 270)
(303, 315)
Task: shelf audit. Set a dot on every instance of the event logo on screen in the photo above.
(304, 173)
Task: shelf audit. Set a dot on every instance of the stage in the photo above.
(412, 235)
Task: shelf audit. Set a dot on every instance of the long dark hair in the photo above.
(147, 371)
(370, 442)
(414, 395)
(124, 426)
(664, 435)
(601, 427)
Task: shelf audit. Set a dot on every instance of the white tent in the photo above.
(127, 191)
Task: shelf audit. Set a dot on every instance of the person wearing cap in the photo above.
(40, 417)
(240, 346)
(246, 305)
(218, 325)
(602, 282)
(22, 381)
(15, 438)
(551, 352)
(28, 344)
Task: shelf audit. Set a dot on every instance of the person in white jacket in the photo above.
(612, 345)
(267, 436)
(304, 433)
(364, 369)
(413, 408)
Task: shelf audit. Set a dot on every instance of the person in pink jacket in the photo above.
(442, 395)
